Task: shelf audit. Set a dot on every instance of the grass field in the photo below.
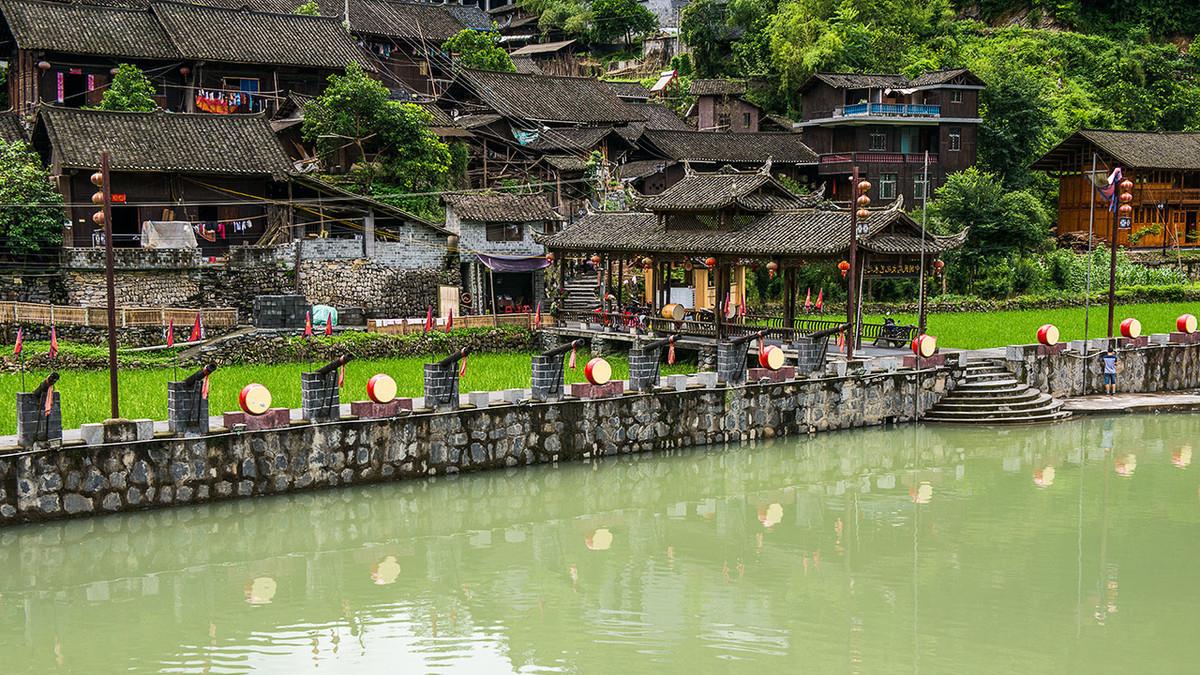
(144, 392)
(973, 330)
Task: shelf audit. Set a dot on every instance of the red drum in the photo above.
(381, 388)
(255, 399)
(771, 358)
(1186, 323)
(1048, 335)
(924, 346)
(1131, 328)
(598, 371)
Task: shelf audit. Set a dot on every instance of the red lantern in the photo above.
(864, 201)
(43, 65)
(1131, 328)
(98, 218)
(864, 187)
(550, 257)
(185, 71)
(97, 179)
(711, 262)
(772, 268)
(844, 267)
(937, 266)
(1125, 197)
(863, 214)
(1126, 185)
(1186, 323)
(596, 260)
(1125, 210)
(1048, 335)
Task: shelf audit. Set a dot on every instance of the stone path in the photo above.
(1134, 403)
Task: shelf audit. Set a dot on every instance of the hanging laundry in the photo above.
(220, 230)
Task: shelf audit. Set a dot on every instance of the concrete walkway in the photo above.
(1133, 403)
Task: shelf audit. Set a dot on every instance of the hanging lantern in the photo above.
(844, 267)
(864, 187)
(1125, 210)
(596, 260)
(772, 268)
(937, 266)
(98, 218)
(550, 257)
(1126, 185)
(864, 201)
(647, 262)
(98, 198)
(711, 262)
(1126, 197)
(43, 65)
(863, 214)
(112, 71)
(185, 71)
(97, 179)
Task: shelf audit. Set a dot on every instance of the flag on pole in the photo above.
(429, 319)
(808, 300)
(450, 321)
(821, 300)
(53, 353)
(671, 353)
(171, 333)
(329, 324)
(308, 324)
(342, 376)
(1109, 189)
(197, 330)
(49, 400)
(537, 318)
(20, 341)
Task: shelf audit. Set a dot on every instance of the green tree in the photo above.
(566, 16)
(397, 157)
(703, 26)
(130, 90)
(621, 18)
(480, 50)
(308, 8)
(31, 221)
(1017, 123)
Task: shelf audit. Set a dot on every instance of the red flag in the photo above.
(342, 376)
(820, 299)
(742, 307)
(204, 388)
(571, 363)
(462, 368)
(329, 324)
(537, 319)
(429, 319)
(171, 333)
(20, 341)
(197, 331)
(308, 324)
(808, 300)
(49, 399)
(450, 321)
(53, 342)
(671, 353)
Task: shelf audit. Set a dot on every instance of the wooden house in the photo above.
(1164, 168)
(885, 125)
(200, 58)
(721, 106)
(672, 149)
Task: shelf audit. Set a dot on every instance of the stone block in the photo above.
(1184, 338)
(513, 395)
(676, 382)
(1134, 343)
(92, 434)
(810, 353)
(145, 429)
(479, 399)
(275, 418)
(731, 362)
(1160, 338)
(1050, 350)
(589, 390)
(36, 426)
(120, 431)
(547, 377)
(707, 380)
(782, 375)
(371, 409)
(187, 409)
(644, 368)
(320, 396)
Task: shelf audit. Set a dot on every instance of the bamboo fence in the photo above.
(417, 325)
(69, 315)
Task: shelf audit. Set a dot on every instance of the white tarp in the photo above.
(168, 234)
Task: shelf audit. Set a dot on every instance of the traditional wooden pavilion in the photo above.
(716, 224)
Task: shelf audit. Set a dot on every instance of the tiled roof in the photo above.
(414, 21)
(500, 207)
(548, 98)
(750, 190)
(702, 146)
(163, 142)
(643, 167)
(629, 91)
(569, 163)
(87, 29)
(542, 48)
(571, 139)
(891, 80)
(938, 77)
(659, 116)
(11, 128)
(810, 231)
(245, 36)
(526, 65)
(1176, 151)
(440, 117)
(717, 88)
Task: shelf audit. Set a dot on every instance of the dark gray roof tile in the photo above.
(500, 207)
(547, 98)
(700, 146)
(87, 29)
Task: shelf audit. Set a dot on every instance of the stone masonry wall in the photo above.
(383, 291)
(1157, 367)
(82, 480)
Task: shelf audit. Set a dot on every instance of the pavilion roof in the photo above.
(748, 190)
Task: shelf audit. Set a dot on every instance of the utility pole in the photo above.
(858, 212)
(1125, 210)
(103, 199)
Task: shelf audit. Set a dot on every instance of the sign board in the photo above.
(448, 301)
(118, 197)
(1125, 224)
(683, 296)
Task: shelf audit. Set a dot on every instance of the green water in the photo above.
(1070, 548)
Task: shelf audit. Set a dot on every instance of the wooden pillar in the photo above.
(789, 297)
(620, 278)
(718, 311)
(654, 283)
(670, 268)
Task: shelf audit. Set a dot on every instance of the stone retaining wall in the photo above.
(83, 480)
(1156, 367)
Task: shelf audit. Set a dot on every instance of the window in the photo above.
(887, 186)
(956, 96)
(919, 186)
(505, 232)
(955, 141)
(745, 120)
(723, 120)
(878, 141)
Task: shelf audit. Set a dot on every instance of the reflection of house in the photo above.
(666, 150)
(500, 259)
(199, 58)
(1164, 168)
(884, 124)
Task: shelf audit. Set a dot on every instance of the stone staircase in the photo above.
(582, 295)
(990, 394)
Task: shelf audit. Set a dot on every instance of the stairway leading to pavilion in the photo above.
(990, 394)
(582, 295)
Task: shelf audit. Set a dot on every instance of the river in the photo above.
(1066, 548)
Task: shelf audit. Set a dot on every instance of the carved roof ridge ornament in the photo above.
(687, 168)
(766, 167)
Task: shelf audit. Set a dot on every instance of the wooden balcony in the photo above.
(888, 110)
(843, 162)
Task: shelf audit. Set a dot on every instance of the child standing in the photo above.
(1109, 362)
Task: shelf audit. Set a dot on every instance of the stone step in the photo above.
(987, 385)
(1030, 419)
(1034, 400)
(996, 413)
(990, 394)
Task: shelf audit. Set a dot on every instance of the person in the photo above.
(1109, 361)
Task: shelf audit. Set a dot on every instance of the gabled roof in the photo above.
(500, 207)
(246, 36)
(749, 190)
(717, 88)
(542, 48)
(700, 146)
(547, 98)
(1174, 150)
(659, 116)
(571, 139)
(161, 141)
(87, 29)
(11, 128)
(628, 91)
(413, 21)
(643, 167)
(893, 80)
(566, 163)
(381, 208)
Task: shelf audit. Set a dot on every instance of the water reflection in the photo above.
(913, 549)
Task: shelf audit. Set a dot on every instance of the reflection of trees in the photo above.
(508, 552)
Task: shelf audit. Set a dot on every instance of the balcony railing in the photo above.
(888, 110)
(876, 158)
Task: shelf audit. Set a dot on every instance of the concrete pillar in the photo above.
(731, 363)
(319, 396)
(547, 377)
(187, 410)
(810, 353)
(643, 368)
(369, 234)
(441, 386)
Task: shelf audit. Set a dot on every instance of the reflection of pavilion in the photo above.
(713, 226)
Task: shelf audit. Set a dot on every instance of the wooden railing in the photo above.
(71, 315)
(417, 325)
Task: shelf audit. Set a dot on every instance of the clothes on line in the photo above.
(213, 231)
